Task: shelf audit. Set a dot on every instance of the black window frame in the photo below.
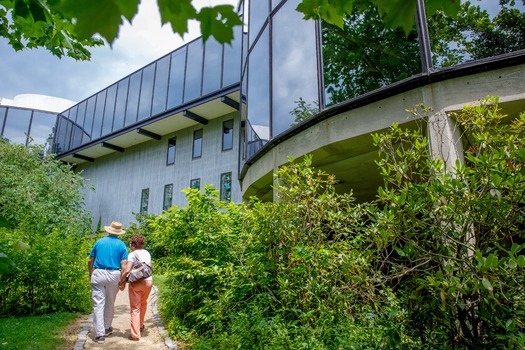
(196, 180)
(144, 198)
(172, 143)
(225, 133)
(165, 204)
(223, 197)
(201, 138)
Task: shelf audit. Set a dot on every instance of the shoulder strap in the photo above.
(136, 256)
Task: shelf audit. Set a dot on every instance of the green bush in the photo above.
(450, 243)
(435, 262)
(40, 210)
(290, 274)
(50, 276)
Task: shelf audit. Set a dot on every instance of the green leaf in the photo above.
(5, 263)
(129, 8)
(449, 7)
(513, 264)
(19, 245)
(37, 11)
(94, 16)
(219, 22)
(487, 284)
(4, 222)
(398, 13)
(521, 260)
(332, 12)
(177, 13)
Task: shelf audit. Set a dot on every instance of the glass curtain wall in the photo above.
(27, 126)
(185, 75)
(365, 55)
(482, 29)
(281, 71)
(284, 54)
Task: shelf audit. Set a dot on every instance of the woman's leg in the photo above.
(135, 295)
(146, 289)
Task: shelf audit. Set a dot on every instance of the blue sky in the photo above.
(39, 72)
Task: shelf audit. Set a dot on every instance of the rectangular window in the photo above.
(168, 196)
(226, 182)
(197, 143)
(144, 201)
(195, 184)
(172, 145)
(227, 135)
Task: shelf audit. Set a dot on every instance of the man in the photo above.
(107, 257)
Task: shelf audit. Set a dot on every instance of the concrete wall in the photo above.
(118, 178)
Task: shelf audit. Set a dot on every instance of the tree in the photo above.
(67, 27)
(365, 54)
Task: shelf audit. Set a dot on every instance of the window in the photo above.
(168, 197)
(197, 143)
(144, 201)
(226, 182)
(172, 145)
(195, 184)
(227, 135)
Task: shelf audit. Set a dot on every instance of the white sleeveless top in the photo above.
(143, 255)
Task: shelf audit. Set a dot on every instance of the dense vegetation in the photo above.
(43, 234)
(435, 262)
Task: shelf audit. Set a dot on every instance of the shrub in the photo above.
(435, 262)
(40, 209)
(451, 243)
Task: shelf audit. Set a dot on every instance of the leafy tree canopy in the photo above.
(67, 27)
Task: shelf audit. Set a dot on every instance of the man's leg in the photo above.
(98, 298)
(112, 278)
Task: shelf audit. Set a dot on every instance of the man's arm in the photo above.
(90, 265)
(126, 268)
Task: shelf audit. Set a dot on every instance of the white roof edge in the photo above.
(40, 102)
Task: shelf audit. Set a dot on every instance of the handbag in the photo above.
(139, 271)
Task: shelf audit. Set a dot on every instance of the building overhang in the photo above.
(184, 116)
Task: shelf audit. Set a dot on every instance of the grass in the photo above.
(159, 281)
(43, 332)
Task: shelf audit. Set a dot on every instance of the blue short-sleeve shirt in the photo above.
(108, 253)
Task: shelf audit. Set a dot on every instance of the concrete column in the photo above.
(444, 138)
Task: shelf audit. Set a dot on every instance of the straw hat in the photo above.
(115, 228)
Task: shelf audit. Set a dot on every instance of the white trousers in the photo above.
(104, 289)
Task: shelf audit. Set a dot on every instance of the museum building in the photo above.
(230, 115)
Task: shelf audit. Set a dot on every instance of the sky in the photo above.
(37, 71)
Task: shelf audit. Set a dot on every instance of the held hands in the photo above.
(122, 285)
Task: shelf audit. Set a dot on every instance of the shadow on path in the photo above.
(153, 337)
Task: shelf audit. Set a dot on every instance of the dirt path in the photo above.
(153, 337)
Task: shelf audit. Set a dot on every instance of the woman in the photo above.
(138, 291)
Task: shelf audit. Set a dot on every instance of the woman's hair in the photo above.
(137, 241)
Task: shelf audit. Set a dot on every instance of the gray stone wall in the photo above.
(119, 178)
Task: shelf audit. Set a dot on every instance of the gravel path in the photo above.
(153, 337)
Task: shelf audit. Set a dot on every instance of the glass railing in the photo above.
(187, 74)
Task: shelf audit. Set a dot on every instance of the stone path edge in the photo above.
(84, 331)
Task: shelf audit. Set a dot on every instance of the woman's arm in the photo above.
(126, 268)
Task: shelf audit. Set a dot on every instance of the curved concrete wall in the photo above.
(342, 144)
